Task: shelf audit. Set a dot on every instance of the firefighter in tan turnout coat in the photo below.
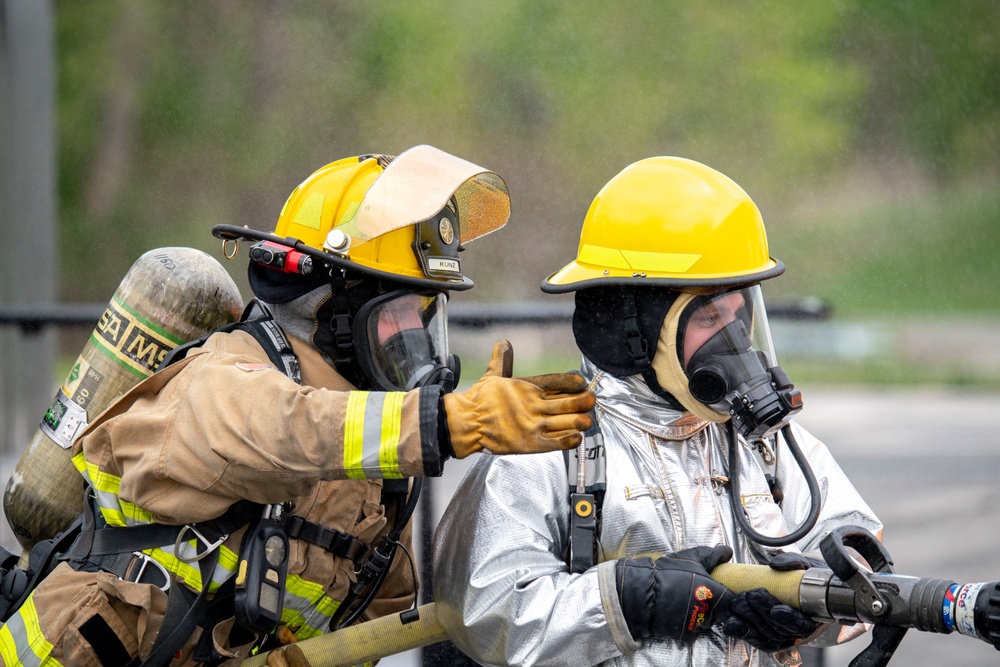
(259, 483)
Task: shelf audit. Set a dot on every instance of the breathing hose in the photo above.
(734, 491)
(374, 571)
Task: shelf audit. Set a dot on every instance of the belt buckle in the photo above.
(146, 559)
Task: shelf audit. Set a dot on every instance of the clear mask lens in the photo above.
(406, 336)
(726, 343)
(730, 364)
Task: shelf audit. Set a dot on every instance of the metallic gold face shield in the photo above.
(417, 184)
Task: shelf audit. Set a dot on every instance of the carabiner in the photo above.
(210, 547)
(146, 560)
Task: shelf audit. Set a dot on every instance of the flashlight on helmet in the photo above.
(281, 258)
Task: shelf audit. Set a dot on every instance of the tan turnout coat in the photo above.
(220, 426)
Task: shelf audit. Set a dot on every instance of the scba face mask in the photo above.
(716, 355)
(402, 341)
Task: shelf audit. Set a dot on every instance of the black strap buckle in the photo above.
(336, 542)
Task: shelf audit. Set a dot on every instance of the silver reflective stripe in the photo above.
(372, 423)
(308, 607)
(372, 432)
(22, 641)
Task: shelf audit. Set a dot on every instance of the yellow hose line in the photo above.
(739, 577)
(386, 636)
(367, 641)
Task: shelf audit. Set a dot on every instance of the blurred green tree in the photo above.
(177, 116)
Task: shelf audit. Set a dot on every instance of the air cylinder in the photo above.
(170, 296)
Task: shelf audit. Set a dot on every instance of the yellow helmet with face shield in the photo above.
(376, 229)
(666, 278)
(404, 218)
(670, 256)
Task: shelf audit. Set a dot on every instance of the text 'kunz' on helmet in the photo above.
(400, 218)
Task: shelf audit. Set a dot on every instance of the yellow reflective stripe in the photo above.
(102, 481)
(303, 588)
(121, 513)
(22, 641)
(354, 434)
(116, 512)
(371, 434)
(134, 514)
(106, 487)
(190, 573)
(80, 463)
(392, 417)
(307, 607)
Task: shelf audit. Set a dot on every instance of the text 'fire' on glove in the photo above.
(507, 415)
(673, 597)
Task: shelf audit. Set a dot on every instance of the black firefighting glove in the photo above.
(786, 561)
(674, 596)
(759, 619)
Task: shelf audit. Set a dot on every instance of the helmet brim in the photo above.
(575, 276)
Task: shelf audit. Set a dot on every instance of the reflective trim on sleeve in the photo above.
(371, 434)
(354, 434)
(22, 641)
(392, 417)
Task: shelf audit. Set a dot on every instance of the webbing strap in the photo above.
(278, 349)
(257, 322)
(185, 611)
(113, 540)
(334, 541)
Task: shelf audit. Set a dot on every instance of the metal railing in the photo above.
(33, 318)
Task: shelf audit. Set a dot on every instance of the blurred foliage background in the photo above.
(868, 133)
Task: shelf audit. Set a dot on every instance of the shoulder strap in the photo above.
(259, 323)
(278, 349)
(587, 484)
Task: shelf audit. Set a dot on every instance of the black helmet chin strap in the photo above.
(342, 326)
(638, 348)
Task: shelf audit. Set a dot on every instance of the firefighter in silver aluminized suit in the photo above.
(697, 459)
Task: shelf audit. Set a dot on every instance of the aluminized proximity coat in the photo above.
(504, 591)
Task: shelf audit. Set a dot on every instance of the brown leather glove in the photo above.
(506, 415)
(289, 656)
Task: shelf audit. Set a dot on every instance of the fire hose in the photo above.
(842, 591)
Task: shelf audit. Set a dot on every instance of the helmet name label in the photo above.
(444, 264)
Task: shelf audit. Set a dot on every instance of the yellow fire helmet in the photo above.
(669, 222)
(404, 218)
